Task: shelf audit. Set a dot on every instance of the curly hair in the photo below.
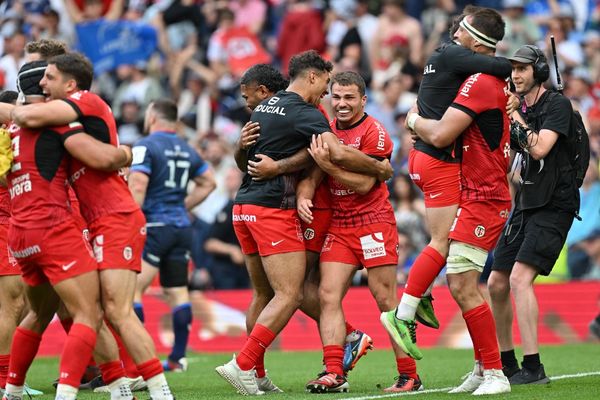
(46, 48)
(307, 60)
(266, 75)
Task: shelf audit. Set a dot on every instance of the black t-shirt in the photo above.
(287, 124)
(445, 71)
(222, 230)
(550, 181)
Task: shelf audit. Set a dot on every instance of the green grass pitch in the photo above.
(440, 368)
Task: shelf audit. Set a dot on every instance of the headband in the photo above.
(478, 36)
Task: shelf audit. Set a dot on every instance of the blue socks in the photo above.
(182, 319)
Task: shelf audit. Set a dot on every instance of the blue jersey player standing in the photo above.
(163, 165)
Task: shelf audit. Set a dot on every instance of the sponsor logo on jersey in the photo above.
(480, 231)
(328, 243)
(469, 84)
(373, 245)
(504, 214)
(380, 136)
(20, 185)
(270, 109)
(342, 192)
(429, 69)
(26, 252)
(97, 245)
(77, 174)
(244, 218)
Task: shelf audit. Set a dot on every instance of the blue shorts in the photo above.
(168, 248)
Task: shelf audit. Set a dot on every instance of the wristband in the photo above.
(411, 120)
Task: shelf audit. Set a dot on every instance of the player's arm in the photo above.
(248, 137)
(355, 160)
(440, 133)
(205, 184)
(52, 113)
(305, 191)
(98, 155)
(539, 143)
(464, 61)
(360, 183)
(138, 185)
(267, 168)
(5, 112)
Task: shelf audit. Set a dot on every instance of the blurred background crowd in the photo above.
(194, 51)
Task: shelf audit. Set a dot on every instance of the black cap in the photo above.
(30, 75)
(526, 55)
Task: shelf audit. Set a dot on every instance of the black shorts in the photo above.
(168, 248)
(536, 237)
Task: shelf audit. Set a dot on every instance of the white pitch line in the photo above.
(383, 396)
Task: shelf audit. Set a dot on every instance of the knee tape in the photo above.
(463, 257)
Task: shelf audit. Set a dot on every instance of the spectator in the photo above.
(228, 268)
(249, 13)
(13, 59)
(129, 125)
(409, 211)
(519, 29)
(137, 86)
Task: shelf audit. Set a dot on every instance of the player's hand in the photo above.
(128, 154)
(413, 137)
(249, 135)
(513, 103)
(319, 151)
(304, 205)
(237, 256)
(385, 170)
(265, 168)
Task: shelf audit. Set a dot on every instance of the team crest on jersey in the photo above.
(143, 231)
(127, 253)
(309, 234)
(480, 231)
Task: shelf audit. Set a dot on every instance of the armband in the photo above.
(411, 120)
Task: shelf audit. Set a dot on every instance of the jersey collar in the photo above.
(357, 123)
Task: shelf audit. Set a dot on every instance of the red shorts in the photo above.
(314, 234)
(8, 264)
(118, 240)
(438, 180)
(267, 231)
(372, 245)
(51, 254)
(480, 222)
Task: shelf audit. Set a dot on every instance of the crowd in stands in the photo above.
(194, 51)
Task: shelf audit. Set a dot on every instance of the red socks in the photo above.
(128, 363)
(76, 354)
(260, 366)
(407, 366)
(150, 369)
(260, 338)
(4, 360)
(24, 347)
(425, 269)
(349, 328)
(111, 371)
(482, 328)
(333, 355)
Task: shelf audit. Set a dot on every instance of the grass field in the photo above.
(440, 368)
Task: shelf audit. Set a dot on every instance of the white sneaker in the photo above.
(494, 382)
(243, 381)
(470, 384)
(265, 384)
(137, 384)
(120, 390)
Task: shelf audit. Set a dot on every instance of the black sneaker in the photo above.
(526, 376)
(93, 384)
(510, 371)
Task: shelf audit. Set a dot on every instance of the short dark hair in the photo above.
(46, 48)
(266, 75)
(165, 108)
(307, 60)
(348, 78)
(77, 66)
(489, 22)
(9, 96)
(468, 10)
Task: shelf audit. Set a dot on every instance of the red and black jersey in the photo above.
(37, 182)
(99, 193)
(486, 142)
(350, 208)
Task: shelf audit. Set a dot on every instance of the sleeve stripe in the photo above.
(201, 170)
(74, 106)
(141, 168)
(70, 133)
(464, 109)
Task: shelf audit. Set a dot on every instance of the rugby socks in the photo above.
(4, 360)
(509, 359)
(260, 338)
(138, 308)
(128, 363)
(476, 350)
(482, 327)
(425, 269)
(76, 354)
(150, 368)
(24, 347)
(407, 366)
(334, 359)
(112, 371)
(531, 361)
(152, 372)
(182, 319)
(349, 328)
(259, 368)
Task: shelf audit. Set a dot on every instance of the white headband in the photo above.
(475, 34)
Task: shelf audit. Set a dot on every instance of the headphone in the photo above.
(541, 69)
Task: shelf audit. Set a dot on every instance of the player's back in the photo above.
(486, 142)
(287, 123)
(170, 163)
(37, 182)
(99, 192)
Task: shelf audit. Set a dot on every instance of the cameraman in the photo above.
(543, 211)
